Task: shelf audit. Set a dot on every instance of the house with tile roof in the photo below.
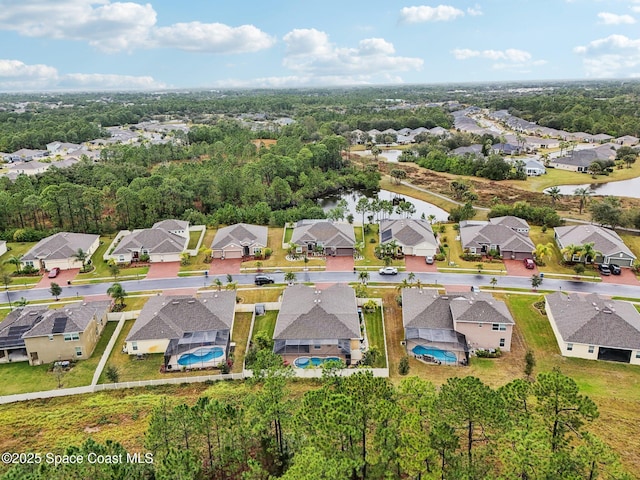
(447, 328)
(191, 332)
(58, 251)
(164, 242)
(314, 323)
(607, 242)
(324, 237)
(40, 335)
(239, 241)
(594, 327)
(509, 236)
(414, 237)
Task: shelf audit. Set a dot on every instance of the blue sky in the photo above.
(116, 45)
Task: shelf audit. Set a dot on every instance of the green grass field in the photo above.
(375, 335)
(265, 323)
(240, 335)
(370, 259)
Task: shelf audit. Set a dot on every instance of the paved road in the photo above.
(331, 277)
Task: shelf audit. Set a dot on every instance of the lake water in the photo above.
(621, 188)
(388, 155)
(353, 197)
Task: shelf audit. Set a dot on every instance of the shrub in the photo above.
(267, 252)
(440, 257)
(481, 353)
(145, 257)
(372, 240)
(579, 269)
(471, 257)
(403, 366)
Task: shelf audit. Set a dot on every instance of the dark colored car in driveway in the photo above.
(615, 269)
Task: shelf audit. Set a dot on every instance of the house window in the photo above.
(591, 348)
(121, 258)
(499, 327)
(638, 354)
(134, 346)
(502, 342)
(68, 337)
(257, 250)
(29, 263)
(50, 338)
(78, 351)
(298, 249)
(569, 346)
(575, 258)
(317, 347)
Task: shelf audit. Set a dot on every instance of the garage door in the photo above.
(344, 252)
(233, 253)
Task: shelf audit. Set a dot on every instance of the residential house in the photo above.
(29, 168)
(627, 140)
(447, 328)
(3, 247)
(602, 138)
(238, 241)
(534, 168)
(324, 237)
(475, 149)
(164, 242)
(414, 237)
(508, 236)
(318, 324)
(608, 244)
(594, 327)
(58, 251)
(577, 160)
(62, 148)
(191, 332)
(26, 155)
(40, 335)
(505, 148)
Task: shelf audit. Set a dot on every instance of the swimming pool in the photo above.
(202, 355)
(436, 354)
(304, 362)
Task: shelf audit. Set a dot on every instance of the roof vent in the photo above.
(175, 302)
(597, 309)
(205, 300)
(606, 310)
(191, 301)
(444, 297)
(593, 303)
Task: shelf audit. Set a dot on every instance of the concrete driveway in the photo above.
(417, 264)
(339, 264)
(62, 279)
(222, 267)
(627, 277)
(163, 270)
(517, 268)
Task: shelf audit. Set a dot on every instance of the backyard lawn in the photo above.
(265, 323)
(22, 378)
(240, 335)
(375, 335)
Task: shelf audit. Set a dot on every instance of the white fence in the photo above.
(168, 381)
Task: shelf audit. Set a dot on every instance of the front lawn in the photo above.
(370, 259)
(278, 255)
(198, 263)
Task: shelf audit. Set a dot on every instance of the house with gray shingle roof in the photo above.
(594, 327)
(446, 328)
(191, 332)
(325, 237)
(611, 247)
(580, 160)
(315, 323)
(164, 242)
(506, 235)
(40, 335)
(58, 251)
(238, 241)
(414, 237)
(628, 140)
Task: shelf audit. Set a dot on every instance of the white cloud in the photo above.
(607, 18)
(310, 53)
(124, 26)
(613, 56)
(518, 61)
(424, 13)
(18, 76)
(474, 11)
(212, 37)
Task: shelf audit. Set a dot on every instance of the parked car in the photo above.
(53, 273)
(604, 269)
(529, 263)
(429, 259)
(388, 271)
(263, 279)
(615, 269)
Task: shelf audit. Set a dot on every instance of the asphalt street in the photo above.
(448, 279)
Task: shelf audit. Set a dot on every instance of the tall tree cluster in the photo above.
(363, 427)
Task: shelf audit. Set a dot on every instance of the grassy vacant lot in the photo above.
(375, 335)
(22, 378)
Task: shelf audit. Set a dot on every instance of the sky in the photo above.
(93, 45)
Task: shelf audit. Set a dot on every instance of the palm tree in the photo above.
(589, 252)
(231, 286)
(15, 260)
(116, 292)
(543, 250)
(363, 276)
(554, 193)
(583, 194)
(403, 284)
(81, 256)
(218, 283)
(411, 277)
(290, 277)
(571, 251)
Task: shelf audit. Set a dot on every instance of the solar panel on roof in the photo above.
(386, 235)
(59, 325)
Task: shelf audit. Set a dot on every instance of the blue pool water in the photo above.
(440, 355)
(304, 362)
(201, 355)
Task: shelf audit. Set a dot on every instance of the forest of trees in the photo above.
(361, 427)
